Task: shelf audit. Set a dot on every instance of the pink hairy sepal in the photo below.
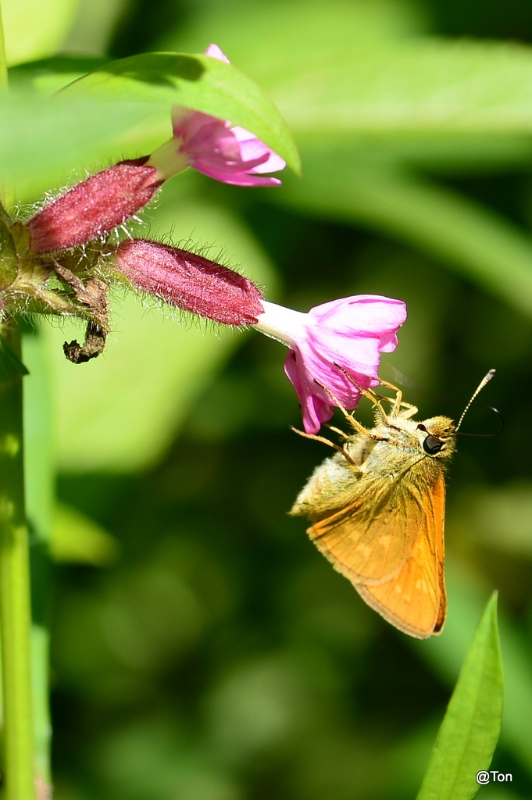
(94, 207)
(190, 282)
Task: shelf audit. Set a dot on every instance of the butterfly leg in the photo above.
(372, 396)
(323, 440)
(409, 409)
(349, 417)
(338, 431)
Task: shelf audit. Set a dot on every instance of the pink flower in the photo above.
(350, 333)
(225, 152)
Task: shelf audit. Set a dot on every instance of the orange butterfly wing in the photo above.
(410, 595)
(370, 540)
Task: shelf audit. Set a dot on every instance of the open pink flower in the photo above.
(215, 147)
(350, 333)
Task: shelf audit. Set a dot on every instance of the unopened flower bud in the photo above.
(94, 207)
(190, 281)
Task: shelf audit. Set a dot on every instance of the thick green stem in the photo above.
(15, 610)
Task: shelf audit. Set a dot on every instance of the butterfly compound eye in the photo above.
(431, 445)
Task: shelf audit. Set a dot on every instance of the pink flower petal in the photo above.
(214, 52)
(347, 334)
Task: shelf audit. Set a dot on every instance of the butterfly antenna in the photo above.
(486, 379)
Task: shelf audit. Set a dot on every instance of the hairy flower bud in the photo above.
(190, 281)
(94, 207)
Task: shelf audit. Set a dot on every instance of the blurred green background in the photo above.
(202, 649)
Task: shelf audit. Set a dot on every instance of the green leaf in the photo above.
(365, 76)
(38, 437)
(471, 239)
(330, 73)
(471, 726)
(467, 592)
(39, 485)
(30, 33)
(197, 82)
(324, 63)
(119, 113)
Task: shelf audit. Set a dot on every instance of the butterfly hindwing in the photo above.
(369, 542)
(414, 600)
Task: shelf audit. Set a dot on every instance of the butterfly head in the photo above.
(437, 436)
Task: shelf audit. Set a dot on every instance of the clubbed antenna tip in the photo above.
(486, 379)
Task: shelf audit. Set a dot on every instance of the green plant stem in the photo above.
(40, 485)
(7, 196)
(15, 610)
(3, 60)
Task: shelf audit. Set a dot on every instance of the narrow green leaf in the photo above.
(197, 82)
(39, 484)
(473, 240)
(467, 592)
(471, 726)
